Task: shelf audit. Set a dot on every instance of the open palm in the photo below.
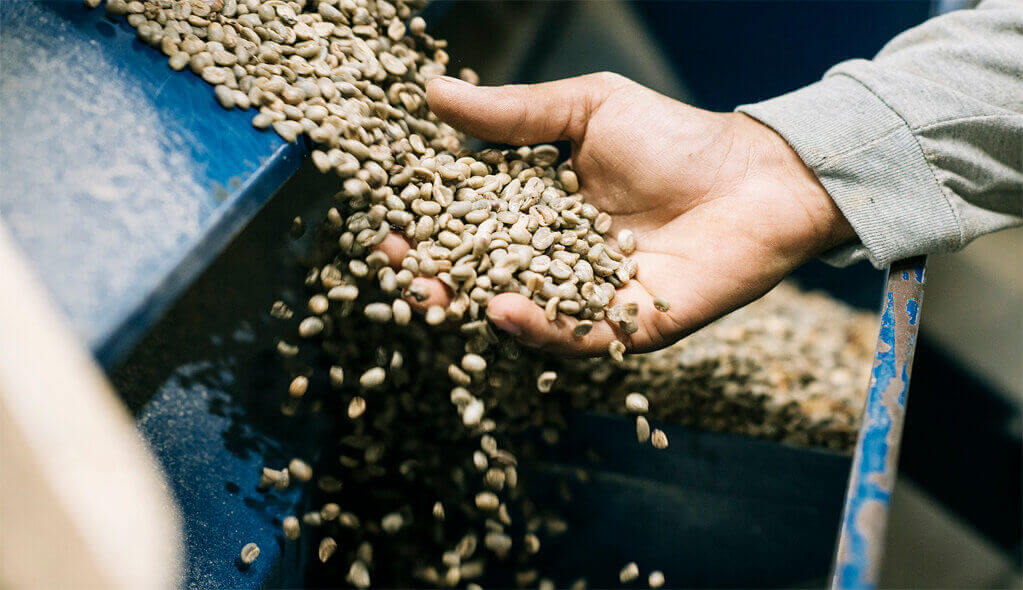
(721, 207)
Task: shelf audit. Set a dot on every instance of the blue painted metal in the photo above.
(123, 179)
(213, 461)
(861, 541)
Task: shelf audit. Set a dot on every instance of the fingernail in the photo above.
(447, 80)
(501, 321)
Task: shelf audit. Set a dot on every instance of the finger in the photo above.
(429, 291)
(395, 247)
(432, 292)
(521, 114)
(527, 321)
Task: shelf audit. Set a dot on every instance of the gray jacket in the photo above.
(921, 147)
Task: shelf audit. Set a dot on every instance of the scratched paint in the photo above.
(912, 307)
(861, 541)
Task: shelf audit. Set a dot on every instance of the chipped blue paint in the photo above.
(912, 308)
(860, 545)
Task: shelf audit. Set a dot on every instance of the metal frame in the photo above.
(865, 517)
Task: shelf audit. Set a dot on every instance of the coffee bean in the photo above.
(249, 553)
(358, 575)
(310, 327)
(626, 241)
(327, 548)
(356, 407)
(292, 529)
(616, 350)
(474, 363)
(372, 378)
(629, 573)
(300, 470)
(312, 519)
(637, 403)
(392, 523)
(330, 511)
(545, 381)
(299, 385)
(642, 429)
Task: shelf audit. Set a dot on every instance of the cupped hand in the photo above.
(721, 206)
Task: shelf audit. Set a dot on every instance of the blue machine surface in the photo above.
(122, 177)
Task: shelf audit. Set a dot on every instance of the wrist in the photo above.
(826, 227)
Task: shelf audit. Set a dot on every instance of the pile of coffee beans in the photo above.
(791, 367)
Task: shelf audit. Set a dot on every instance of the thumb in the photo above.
(521, 114)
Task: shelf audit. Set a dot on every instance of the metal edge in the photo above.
(864, 519)
(260, 186)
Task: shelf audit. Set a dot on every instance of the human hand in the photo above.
(721, 206)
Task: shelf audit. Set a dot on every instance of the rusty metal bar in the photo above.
(865, 517)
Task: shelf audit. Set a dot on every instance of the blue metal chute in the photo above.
(123, 178)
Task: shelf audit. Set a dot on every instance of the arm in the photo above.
(922, 147)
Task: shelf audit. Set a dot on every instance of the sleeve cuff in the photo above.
(871, 164)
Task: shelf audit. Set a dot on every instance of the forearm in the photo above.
(920, 148)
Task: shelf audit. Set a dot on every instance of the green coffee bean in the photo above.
(636, 403)
(292, 529)
(249, 553)
(327, 548)
(642, 429)
(628, 573)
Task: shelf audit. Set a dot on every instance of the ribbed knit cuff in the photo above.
(870, 163)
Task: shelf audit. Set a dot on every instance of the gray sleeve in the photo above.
(921, 147)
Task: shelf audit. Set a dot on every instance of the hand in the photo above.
(721, 206)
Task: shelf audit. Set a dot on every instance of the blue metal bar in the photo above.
(864, 519)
